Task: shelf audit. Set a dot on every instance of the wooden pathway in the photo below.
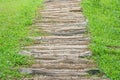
(63, 54)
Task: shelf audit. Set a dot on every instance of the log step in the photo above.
(66, 60)
(63, 66)
(54, 72)
(64, 78)
(52, 47)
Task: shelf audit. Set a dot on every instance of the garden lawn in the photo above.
(15, 17)
(104, 29)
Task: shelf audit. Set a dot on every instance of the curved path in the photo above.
(63, 54)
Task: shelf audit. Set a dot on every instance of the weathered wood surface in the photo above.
(63, 54)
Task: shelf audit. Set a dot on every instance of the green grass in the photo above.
(15, 18)
(104, 29)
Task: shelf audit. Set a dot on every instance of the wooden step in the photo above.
(57, 37)
(68, 31)
(67, 14)
(63, 66)
(48, 53)
(52, 47)
(61, 53)
(54, 72)
(37, 51)
(61, 39)
(54, 18)
(66, 60)
(57, 17)
(64, 78)
(45, 43)
(60, 25)
(58, 21)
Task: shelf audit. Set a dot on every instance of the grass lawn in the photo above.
(15, 18)
(104, 29)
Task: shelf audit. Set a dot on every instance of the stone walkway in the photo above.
(63, 54)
